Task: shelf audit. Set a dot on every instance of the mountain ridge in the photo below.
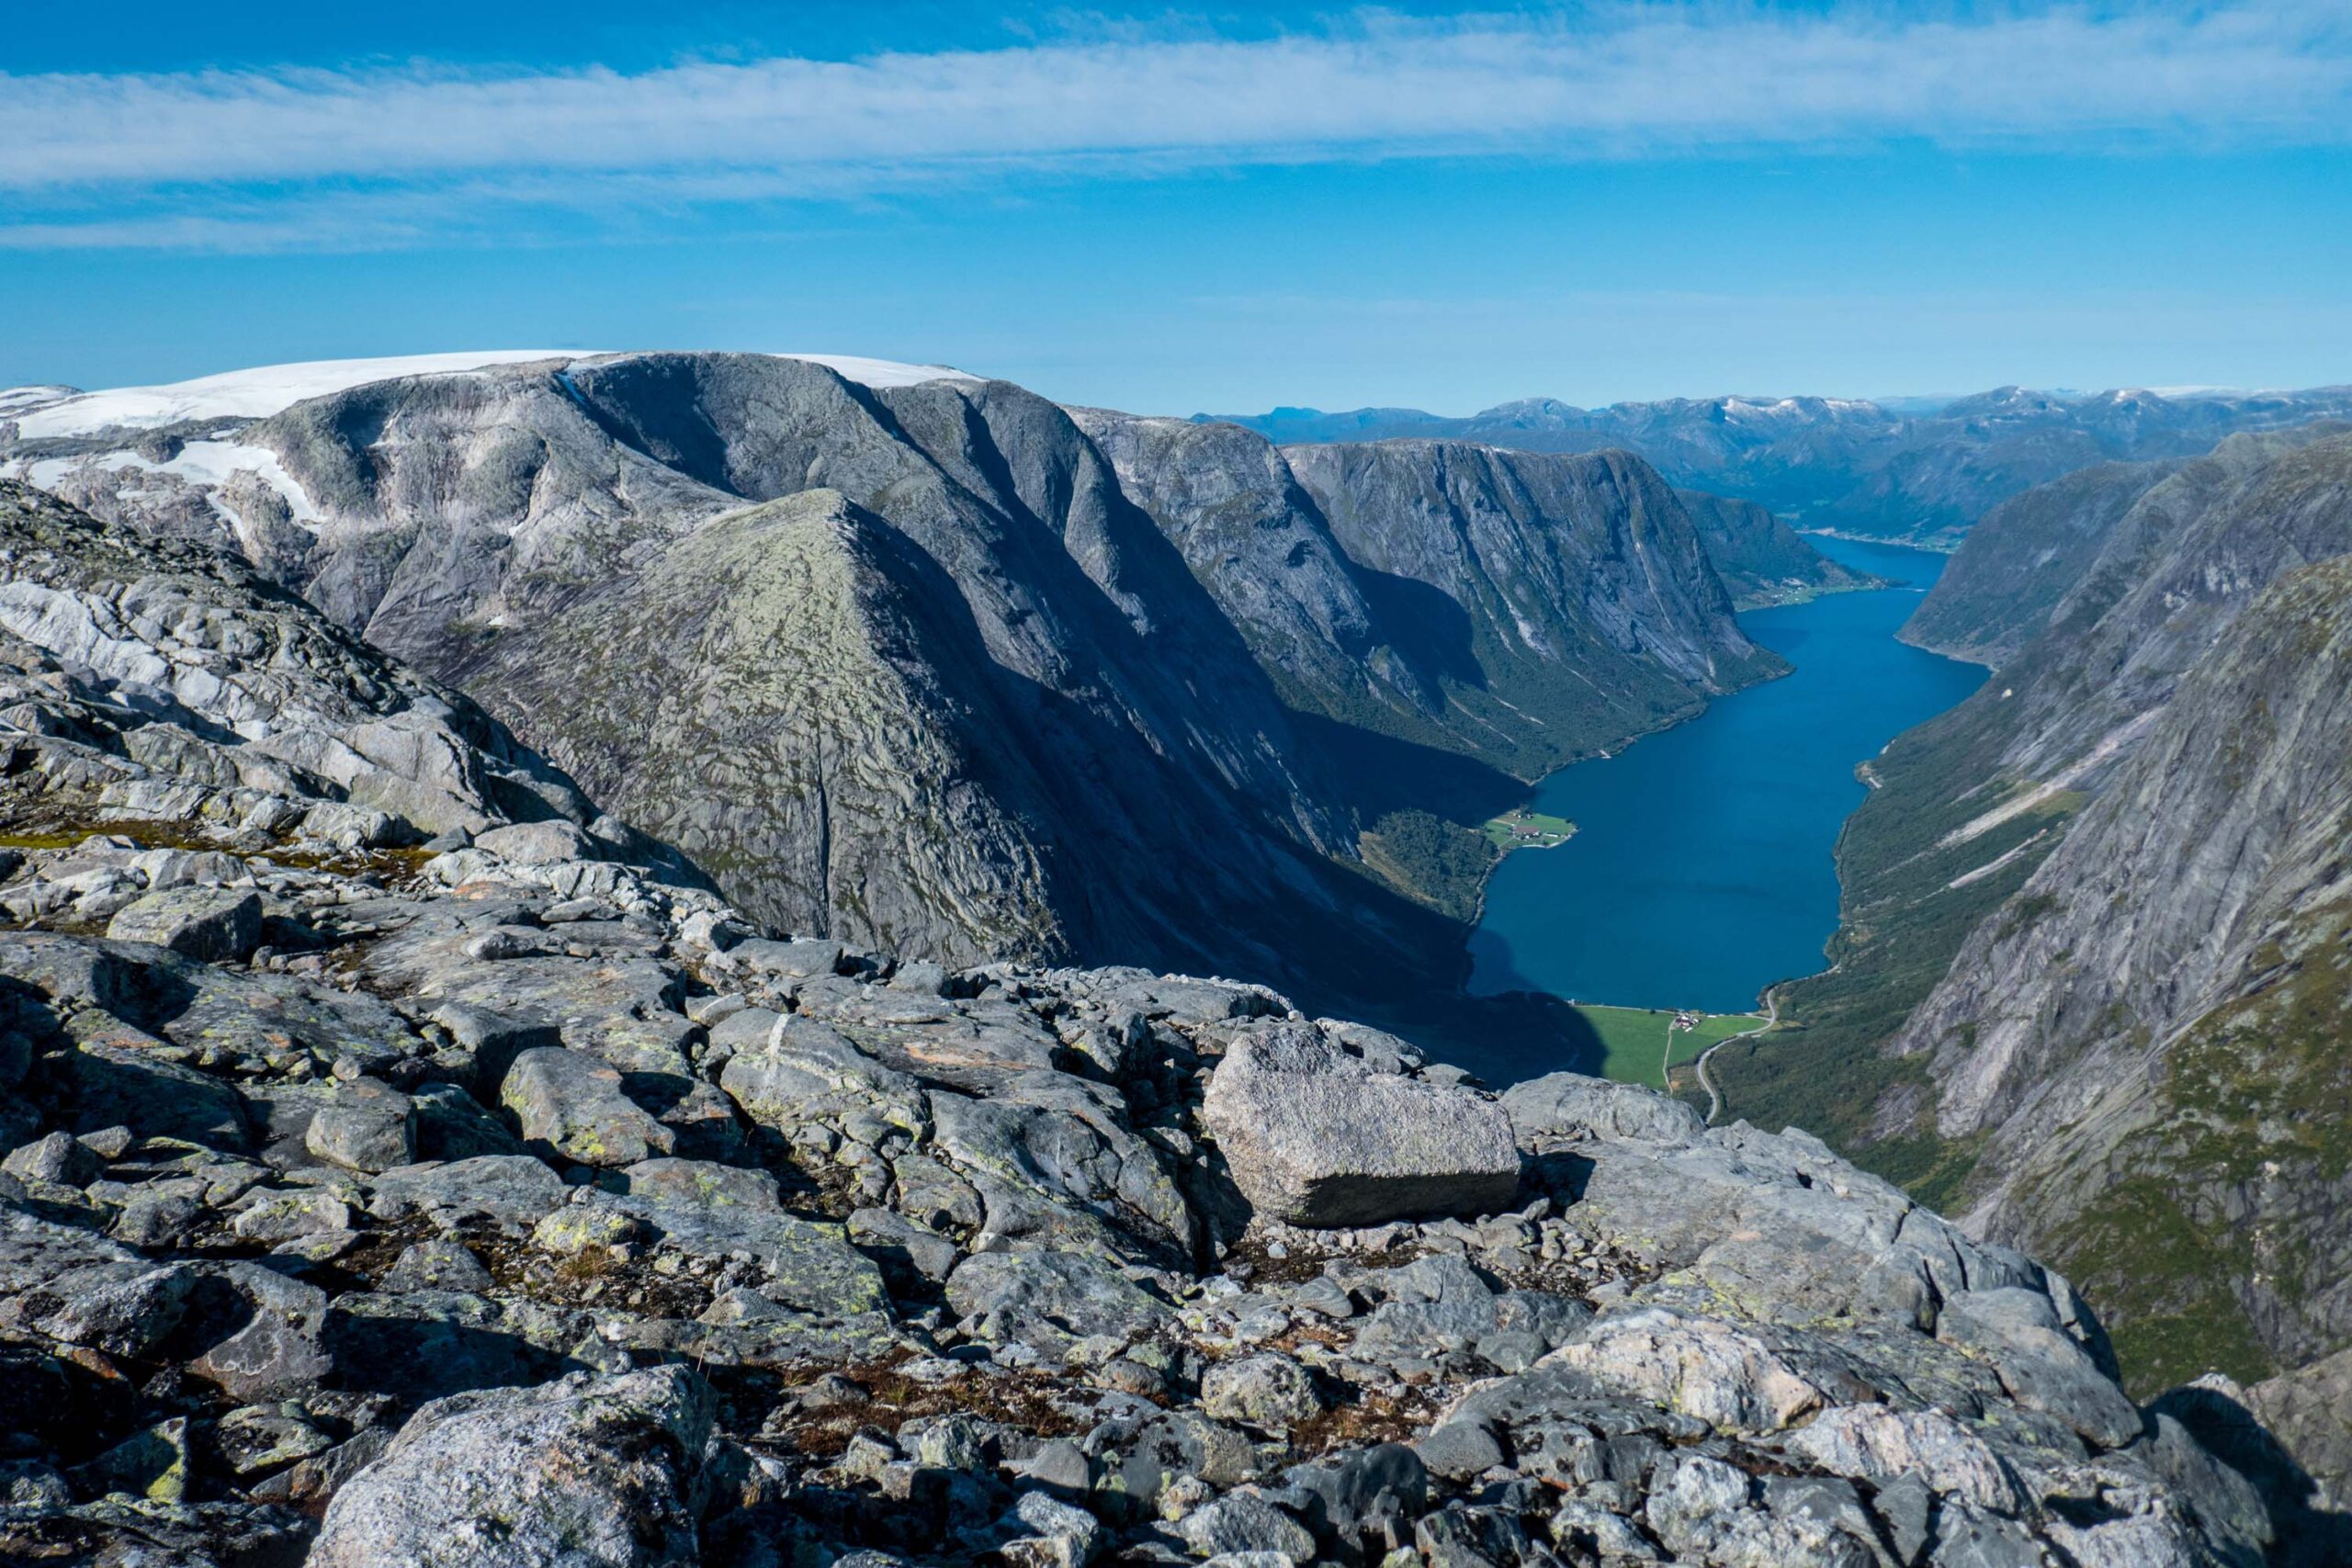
(1852, 466)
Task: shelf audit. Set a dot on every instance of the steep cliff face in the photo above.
(1523, 610)
(1761, 560)
(2151, 1037)
(1920, 474)
(1564, 601)
(2022, 558)
(2091, 976)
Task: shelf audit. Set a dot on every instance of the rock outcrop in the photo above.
(2089, 986)
(506, 1206)
(1319, 1128)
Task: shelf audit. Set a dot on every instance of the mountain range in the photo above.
(955, 683)
(1842, 465)
(1182, 695)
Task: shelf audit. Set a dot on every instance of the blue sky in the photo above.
(1172, 211)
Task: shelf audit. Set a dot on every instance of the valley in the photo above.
(900, 658)
(1702, 870)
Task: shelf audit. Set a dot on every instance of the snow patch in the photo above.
(270, 389)
(206, 465)
(15, 400)
(249, 394)
(879, 373)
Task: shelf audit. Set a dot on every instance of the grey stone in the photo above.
(513, 1190)
(571, 1106)
(364, 1125)
(1570, 1105)
(59, 1158)
(809, 1073)
(898, 1241)
(1314, 1138)
(1269, 1390)
(1238, 1522)
(206, 923)
(580, 1472)
(1347, 1494)
(1042, 1531)
(2040, 1365)
(537, 843)
(441, 1264)
(1049, 1301)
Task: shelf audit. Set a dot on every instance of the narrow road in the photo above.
(1715, 1098)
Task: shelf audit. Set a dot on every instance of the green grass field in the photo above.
(1528, 830)
(1634, 1039)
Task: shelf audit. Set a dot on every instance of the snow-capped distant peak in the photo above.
(250, 394)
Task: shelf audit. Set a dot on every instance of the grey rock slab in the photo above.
(570, 1106)
(701, 1184)
(207, 923)
(440, 1264)
(1056, 1165)
(2039, 1364)
(1874, 1443)
(1570, 1105)
(1049, 1301)
(60, 1157)
(808, 1073)
(538, 843)
(1724, 1374)
(364, 1125)
(805, 1265)
(1239, 1522)
(511, 1190)
(1269, 1390)
(119, 1086)
(586, 1473)
(1312, 1137)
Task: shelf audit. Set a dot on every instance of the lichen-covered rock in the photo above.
(210, 923)
(570, 1105)
(1315, 1137)
(584, 1472)
(364, 1126)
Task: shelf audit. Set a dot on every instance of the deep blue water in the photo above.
(1702, 870)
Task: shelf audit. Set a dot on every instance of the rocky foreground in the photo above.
(412, 1166)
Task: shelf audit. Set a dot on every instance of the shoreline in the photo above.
(1853, 538)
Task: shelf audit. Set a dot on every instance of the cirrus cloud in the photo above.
(378, 157)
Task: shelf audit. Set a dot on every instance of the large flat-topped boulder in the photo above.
(1314, 1136)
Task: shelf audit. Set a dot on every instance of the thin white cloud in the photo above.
(108, 159)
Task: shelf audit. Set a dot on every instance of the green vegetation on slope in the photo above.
(1636, 1043)
(2252, 1095)
(1435, 862)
